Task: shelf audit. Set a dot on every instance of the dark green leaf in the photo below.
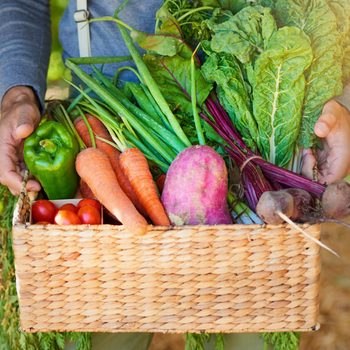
(233, 92)
(161, 44)
(167, 23)
(278, 93)
(231, 5)
(173, 76)
(245, 34)
(324, 77)
(341, 9)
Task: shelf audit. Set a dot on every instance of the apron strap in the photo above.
(81, 17)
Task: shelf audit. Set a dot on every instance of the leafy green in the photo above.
(245, 34)
(167, 41)
(233, 92)
(165, 45)
(346, 66)
(278, 93)
(167, 23)
(341, 8)
(169, 60)
(173, 76)
(324, 77)
(189, 16)
(259, 73)
(231, 5)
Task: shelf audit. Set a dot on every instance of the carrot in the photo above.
(135, 166)
(113, 154)
(94, 167)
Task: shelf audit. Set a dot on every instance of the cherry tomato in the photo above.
(89, 215)
(70, 207)
(43, 210)
(67, 217)
(91, 202)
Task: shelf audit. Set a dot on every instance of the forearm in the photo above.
(25, 38)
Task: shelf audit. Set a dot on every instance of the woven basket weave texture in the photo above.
(232, 278)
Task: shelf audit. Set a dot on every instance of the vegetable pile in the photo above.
(225, 102)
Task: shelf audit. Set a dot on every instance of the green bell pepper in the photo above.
(49, 154)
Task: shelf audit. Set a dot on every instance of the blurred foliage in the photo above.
(57, 69)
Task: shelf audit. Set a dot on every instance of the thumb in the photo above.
(329, 119)
(325, 124)
(25, 126)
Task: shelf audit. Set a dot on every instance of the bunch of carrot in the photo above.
(122, 182)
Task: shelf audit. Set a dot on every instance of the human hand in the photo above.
(333, 161)
(19, 117)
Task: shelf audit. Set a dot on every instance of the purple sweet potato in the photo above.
(195, 188)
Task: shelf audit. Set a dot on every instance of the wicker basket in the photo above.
(230, 278)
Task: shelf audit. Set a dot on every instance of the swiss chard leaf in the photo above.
(233, 92)
(162, 44)
(231, 5)
(167, 41)
(245, 34)
(341, 9)
(278, 92)
(167, 24)
(324, 77)
(173, 76)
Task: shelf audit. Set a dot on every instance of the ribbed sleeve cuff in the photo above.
(17, 74)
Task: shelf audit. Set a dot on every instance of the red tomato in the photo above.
(89, 215)
(67, 217)
(70, 207)
(43, 210)
(91, 202)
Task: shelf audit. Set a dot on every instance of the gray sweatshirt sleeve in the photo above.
(25, 45)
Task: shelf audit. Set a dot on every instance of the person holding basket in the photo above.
(24, 57)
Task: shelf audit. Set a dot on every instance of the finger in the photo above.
(309, 163)
(9, 174)
(28, 118)
(33, 186)
(23, 131)
(13, 181)
(332, 106)
(331, 176)
(324, 125)
(335, 170)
